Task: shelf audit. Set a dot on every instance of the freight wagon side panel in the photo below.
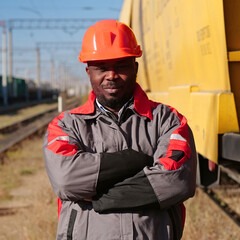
(185, 64)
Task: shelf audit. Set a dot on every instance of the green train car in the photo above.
(21, 91)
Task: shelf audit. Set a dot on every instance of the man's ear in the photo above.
(87, 71)
(136, 67)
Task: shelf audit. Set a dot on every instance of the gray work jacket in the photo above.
(72, 151)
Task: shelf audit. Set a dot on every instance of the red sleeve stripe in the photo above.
(63, 148)
(178, 141)
(58, 141)
(170, 164)
(59, 203)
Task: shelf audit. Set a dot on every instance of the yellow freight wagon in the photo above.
(191, 60)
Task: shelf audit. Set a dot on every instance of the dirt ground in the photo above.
(24, 186)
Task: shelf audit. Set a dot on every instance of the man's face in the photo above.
(113, 81)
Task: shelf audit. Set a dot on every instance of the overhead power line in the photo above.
(59, 45)
(50, 23)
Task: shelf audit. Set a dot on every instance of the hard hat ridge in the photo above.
(109, 39)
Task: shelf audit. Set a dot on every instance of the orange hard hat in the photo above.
(109, 39)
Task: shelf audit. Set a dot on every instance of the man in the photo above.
(121, 165)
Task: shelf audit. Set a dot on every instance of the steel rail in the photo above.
(34, 124)
(17, 124)
(234, 216)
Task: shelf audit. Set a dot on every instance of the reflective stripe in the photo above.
(63, 138)
(178, 137)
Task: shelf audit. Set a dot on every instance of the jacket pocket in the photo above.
(71, 223)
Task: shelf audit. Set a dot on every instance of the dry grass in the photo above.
(205, 221)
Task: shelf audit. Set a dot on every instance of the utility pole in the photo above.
(27, 80)
(53, 84)
(12, 85)
(38, 76)
(4, 64)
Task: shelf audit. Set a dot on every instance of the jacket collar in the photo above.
(142, 104)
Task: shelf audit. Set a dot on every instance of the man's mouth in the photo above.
(112, 88)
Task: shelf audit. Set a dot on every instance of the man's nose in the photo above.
(111, 74)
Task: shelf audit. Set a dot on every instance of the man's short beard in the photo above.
(114, 103)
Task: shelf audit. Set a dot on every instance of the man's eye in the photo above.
(122, 66)
(101, 69)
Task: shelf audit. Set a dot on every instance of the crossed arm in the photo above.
(126, 179)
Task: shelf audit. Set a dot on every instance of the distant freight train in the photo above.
(191, 60)
(21, 90)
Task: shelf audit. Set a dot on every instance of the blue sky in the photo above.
(25, 41)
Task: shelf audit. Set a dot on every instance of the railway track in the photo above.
(226, 196)
(7, 211)
(16, 125)
(18, 131)
(4, 211)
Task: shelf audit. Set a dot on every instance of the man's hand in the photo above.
(117, 166)
(132, 193)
